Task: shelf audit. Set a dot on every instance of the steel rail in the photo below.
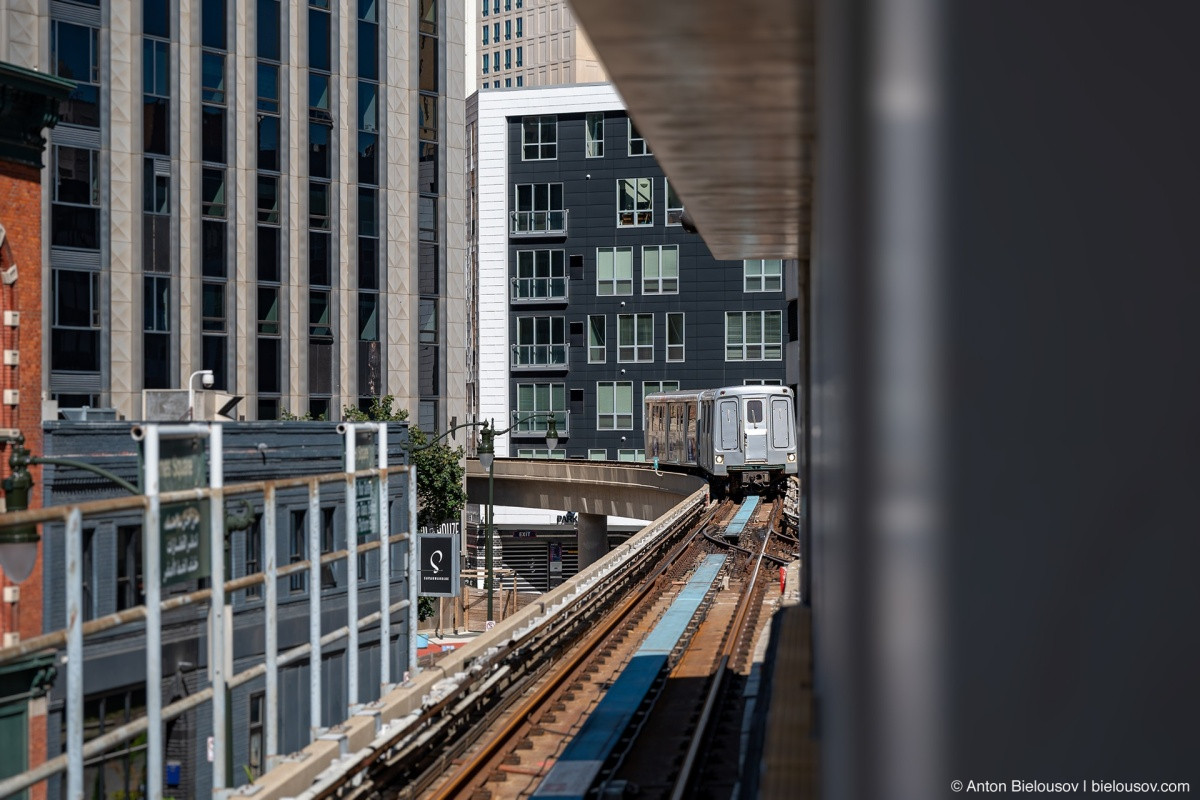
(520, 718)
(583, 605)
(734, 633)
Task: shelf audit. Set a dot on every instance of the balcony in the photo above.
(528, 291)
(538, 223)
(539, 356)
(536, 428)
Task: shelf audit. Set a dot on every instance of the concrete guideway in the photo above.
(588, 487)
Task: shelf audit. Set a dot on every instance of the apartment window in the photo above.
(520, 81)
(212, 248)
(298, 550)
(212, 192)
(268, 88)
(649, 387)
(635, 337)
(75, 338)
(485, 68)
(508, 58)
(157, 304)
(631, 455)
(637, 145)
(75, 213)
(319, 326)
(318, 150)
(520, 31)
(129, 567)
(508, 83)
(541, 275)
(540, 452)
(597, 454)
(541, 341)
(753, 335)
(268, 142)
(597, 352)
(156, 105)
(762, 275)
(635, 202)
(675, 325)
(614, 271)
(762, 382)
(212, 24)
(614, 405)
(486, 5)
(660, 269)
(543, 400)
(539, 208)
(486, 29)
(496, 60)
(318, 205)
(213, 306)
(520, 56)
(74, 54)
(495, 33)
(427, 325)
(253, 559)
(539, 138)
(258, 704)
(674, 204)
(268, 199)
(594, 127)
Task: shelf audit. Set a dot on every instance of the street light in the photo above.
(206, 378)
(487, 459)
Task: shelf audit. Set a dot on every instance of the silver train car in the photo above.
(743, 438)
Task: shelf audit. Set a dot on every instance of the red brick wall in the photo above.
(21, 215)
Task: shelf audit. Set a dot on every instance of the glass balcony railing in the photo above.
(539, 290)
(538, 223)
(539, 356)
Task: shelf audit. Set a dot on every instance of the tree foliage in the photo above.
(440, 492)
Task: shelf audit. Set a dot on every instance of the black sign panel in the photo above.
(184, 527)
(439, 565)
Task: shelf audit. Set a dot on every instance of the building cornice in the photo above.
(29, 103)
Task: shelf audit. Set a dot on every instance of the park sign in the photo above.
(438, 555)
(183, 526)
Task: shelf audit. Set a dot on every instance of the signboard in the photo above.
(184, 526)
(366, 490)
(556, 559)
(439, 565)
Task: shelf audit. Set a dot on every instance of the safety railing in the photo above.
(172, 525)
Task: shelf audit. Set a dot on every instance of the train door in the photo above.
(756, 431)
(781, 423)
(730, 428)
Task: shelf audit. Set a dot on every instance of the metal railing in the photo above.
(222, 678)
(539, 223)
(539, 356)
(539, 290)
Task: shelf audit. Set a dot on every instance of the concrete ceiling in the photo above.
(722, 92)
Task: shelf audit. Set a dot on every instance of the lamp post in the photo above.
(487, 458)
(206, 378)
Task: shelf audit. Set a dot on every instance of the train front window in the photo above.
(754, 411)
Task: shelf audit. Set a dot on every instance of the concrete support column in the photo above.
(593, 538)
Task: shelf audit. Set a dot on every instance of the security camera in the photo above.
(206, 380)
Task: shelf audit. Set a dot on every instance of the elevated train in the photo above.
(742, 438)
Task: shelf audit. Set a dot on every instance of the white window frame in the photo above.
(556, 397)
(631, 454)
(674, 212)
(618, 284)
(762, 382)
(541, 452)
(657, 386)
(615, 421)
(594, 139)
(638, 146)
(681, 345)
(540, 143)
(635, 202)
(597, 353)
(759, 349)
(597, 454)
(762, 275)
(664, 280)
(639, 352)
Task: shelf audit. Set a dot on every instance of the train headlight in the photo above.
(791, 457)
(720, 459)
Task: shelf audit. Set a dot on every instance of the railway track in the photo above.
(504, 730)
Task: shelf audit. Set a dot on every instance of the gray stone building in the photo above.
(267, 189)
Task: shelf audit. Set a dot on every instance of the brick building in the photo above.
(28, 104)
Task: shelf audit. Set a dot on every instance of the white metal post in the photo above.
(270, 629)
(385, 568)
(75, 655)
(152, 577)
(413, 570)
(216, 482)
(351, 571)
(314, 610)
